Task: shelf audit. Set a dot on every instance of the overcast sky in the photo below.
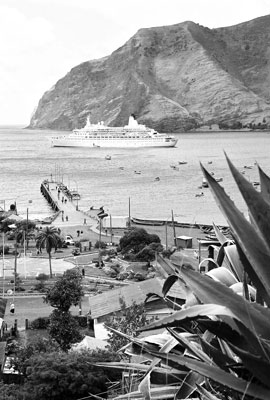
(41, 40)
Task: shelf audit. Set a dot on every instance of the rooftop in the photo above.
(109, 302)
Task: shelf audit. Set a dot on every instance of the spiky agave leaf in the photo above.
(265, 185)
(191, 313)
(144, 387)
(252, 315)
(205, 394)
(157, 393)
(257, 206)
(219, 358)
(256, 365)
(255, 248)
(220, 236)
(254, 344)
(159, 375)
(188, 385)
(169, 282)
(218, 375)
(234, 259)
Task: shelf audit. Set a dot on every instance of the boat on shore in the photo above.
(159, 222)
(100, 135)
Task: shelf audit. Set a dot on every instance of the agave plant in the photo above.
(217, 346)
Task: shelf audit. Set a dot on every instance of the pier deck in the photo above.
(67, 210)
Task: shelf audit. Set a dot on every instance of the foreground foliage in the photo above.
(217, 346)
(55, 375)
(128, 322)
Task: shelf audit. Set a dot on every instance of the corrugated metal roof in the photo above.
(108, 303)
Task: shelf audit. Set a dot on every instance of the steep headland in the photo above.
(173, 78)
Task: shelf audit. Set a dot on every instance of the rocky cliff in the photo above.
(172, 78)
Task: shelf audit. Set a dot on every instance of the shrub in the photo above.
(100, 244)
(81, 320)
(6, 249)
(40, 323)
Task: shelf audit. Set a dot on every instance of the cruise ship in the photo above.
(100, 135)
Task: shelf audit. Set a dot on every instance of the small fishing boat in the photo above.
(182, 162)
(199, 194)
(75, 195)
(137, 172)
(157, 178)
(205, 183)
(108, 157)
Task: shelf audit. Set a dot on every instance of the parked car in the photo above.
(69, 240)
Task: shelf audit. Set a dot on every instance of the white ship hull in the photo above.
(99, 135)
(110, 143)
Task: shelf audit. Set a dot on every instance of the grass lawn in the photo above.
(33, 307)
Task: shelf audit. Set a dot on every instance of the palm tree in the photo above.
(48, 238)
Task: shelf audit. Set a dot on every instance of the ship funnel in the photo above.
(132, 121)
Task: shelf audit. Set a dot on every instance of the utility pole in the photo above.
(111, 226)
(26, 231)
(174, 234)
(99, 255)
(129, 222)
(166, 234)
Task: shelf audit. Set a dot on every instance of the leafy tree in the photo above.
(25, 231)
(64, 329)
(128, 321)
(41, 278)
(67, 291)
(11, 392)
(23, 354)
(58, 376)
(148, 252)
(135, 240)
(50, 239)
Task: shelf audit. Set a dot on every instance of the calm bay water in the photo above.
(26, 159)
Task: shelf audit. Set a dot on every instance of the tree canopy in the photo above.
(67, 291)
(64, 329)
(57, 375)
(136, 240)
